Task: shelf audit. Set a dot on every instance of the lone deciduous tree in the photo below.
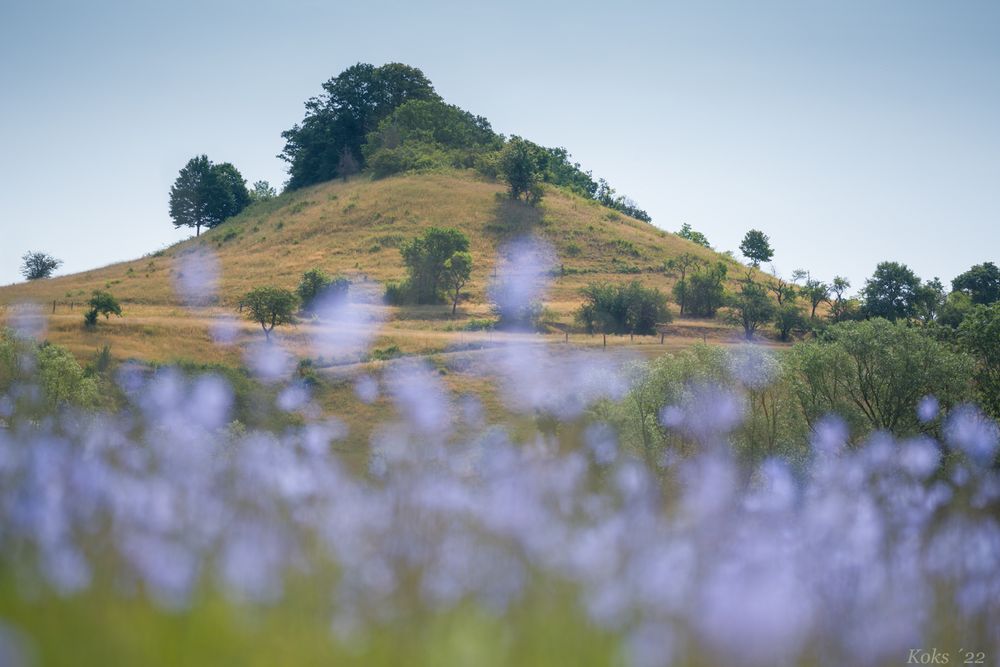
(457, 271)
(205, 194)
(517, 166)
(38, 265)
(756, 247)
(270, 307)
(425, 257)
(891, 292)
(679, 266)
(751, 307)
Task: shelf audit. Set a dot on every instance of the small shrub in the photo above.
(624, 247)
(484, 324)
(101, 303)
(385, 354)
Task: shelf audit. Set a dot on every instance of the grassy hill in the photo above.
(355, 228)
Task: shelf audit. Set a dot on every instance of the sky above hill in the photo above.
(851, 132)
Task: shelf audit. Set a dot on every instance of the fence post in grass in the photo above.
(53, 305)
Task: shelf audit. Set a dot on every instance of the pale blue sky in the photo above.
(850, 132)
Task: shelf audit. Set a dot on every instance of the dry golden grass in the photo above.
(355, 228)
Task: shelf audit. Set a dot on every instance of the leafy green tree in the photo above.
(955, 308)
(782, 289)
(981, 283)
(873, 373)
(235, 186)
(622, 309)
(706, 292)
(756, 247)
(425, 257)
(979, 334)
(456, 273)
(428, 134)
(751, 307)
(262, 191)
(929, 300)
(788, 318)
(205, 194)
(518, 167)
(37, 265)
(840, 304)
(891, 292)
(101, 303)
(607, 196)
(270, 307)
(351, 106)
(316, 285)
(686, 232)
(816, 292)
(680, 266)
(52, 368)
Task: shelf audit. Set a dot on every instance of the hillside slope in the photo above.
(355, 228)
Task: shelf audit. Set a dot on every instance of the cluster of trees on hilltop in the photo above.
(386, 120)
(389, 120)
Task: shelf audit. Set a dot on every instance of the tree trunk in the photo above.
(197, 229)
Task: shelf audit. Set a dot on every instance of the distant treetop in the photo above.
(389, 120)
(686, 232)
(351, 106)
(38, 265)
(205, 194)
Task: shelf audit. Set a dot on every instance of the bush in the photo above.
(426, 258)
(513, 313)
(317, 286)
(60, 378)
(622, 309)
(101, 303)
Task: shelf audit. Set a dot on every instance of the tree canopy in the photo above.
(37, 265)
(270, 307)
(316, 288)
(751, 307)
(873, 373)
(427, 134)
(690, 234)
(891, 292)
(756, 247)
(425, 258)
(519, 169)
(352, 105)
(981, 283)
(622, 309)
(204, 194)
(101, 303)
